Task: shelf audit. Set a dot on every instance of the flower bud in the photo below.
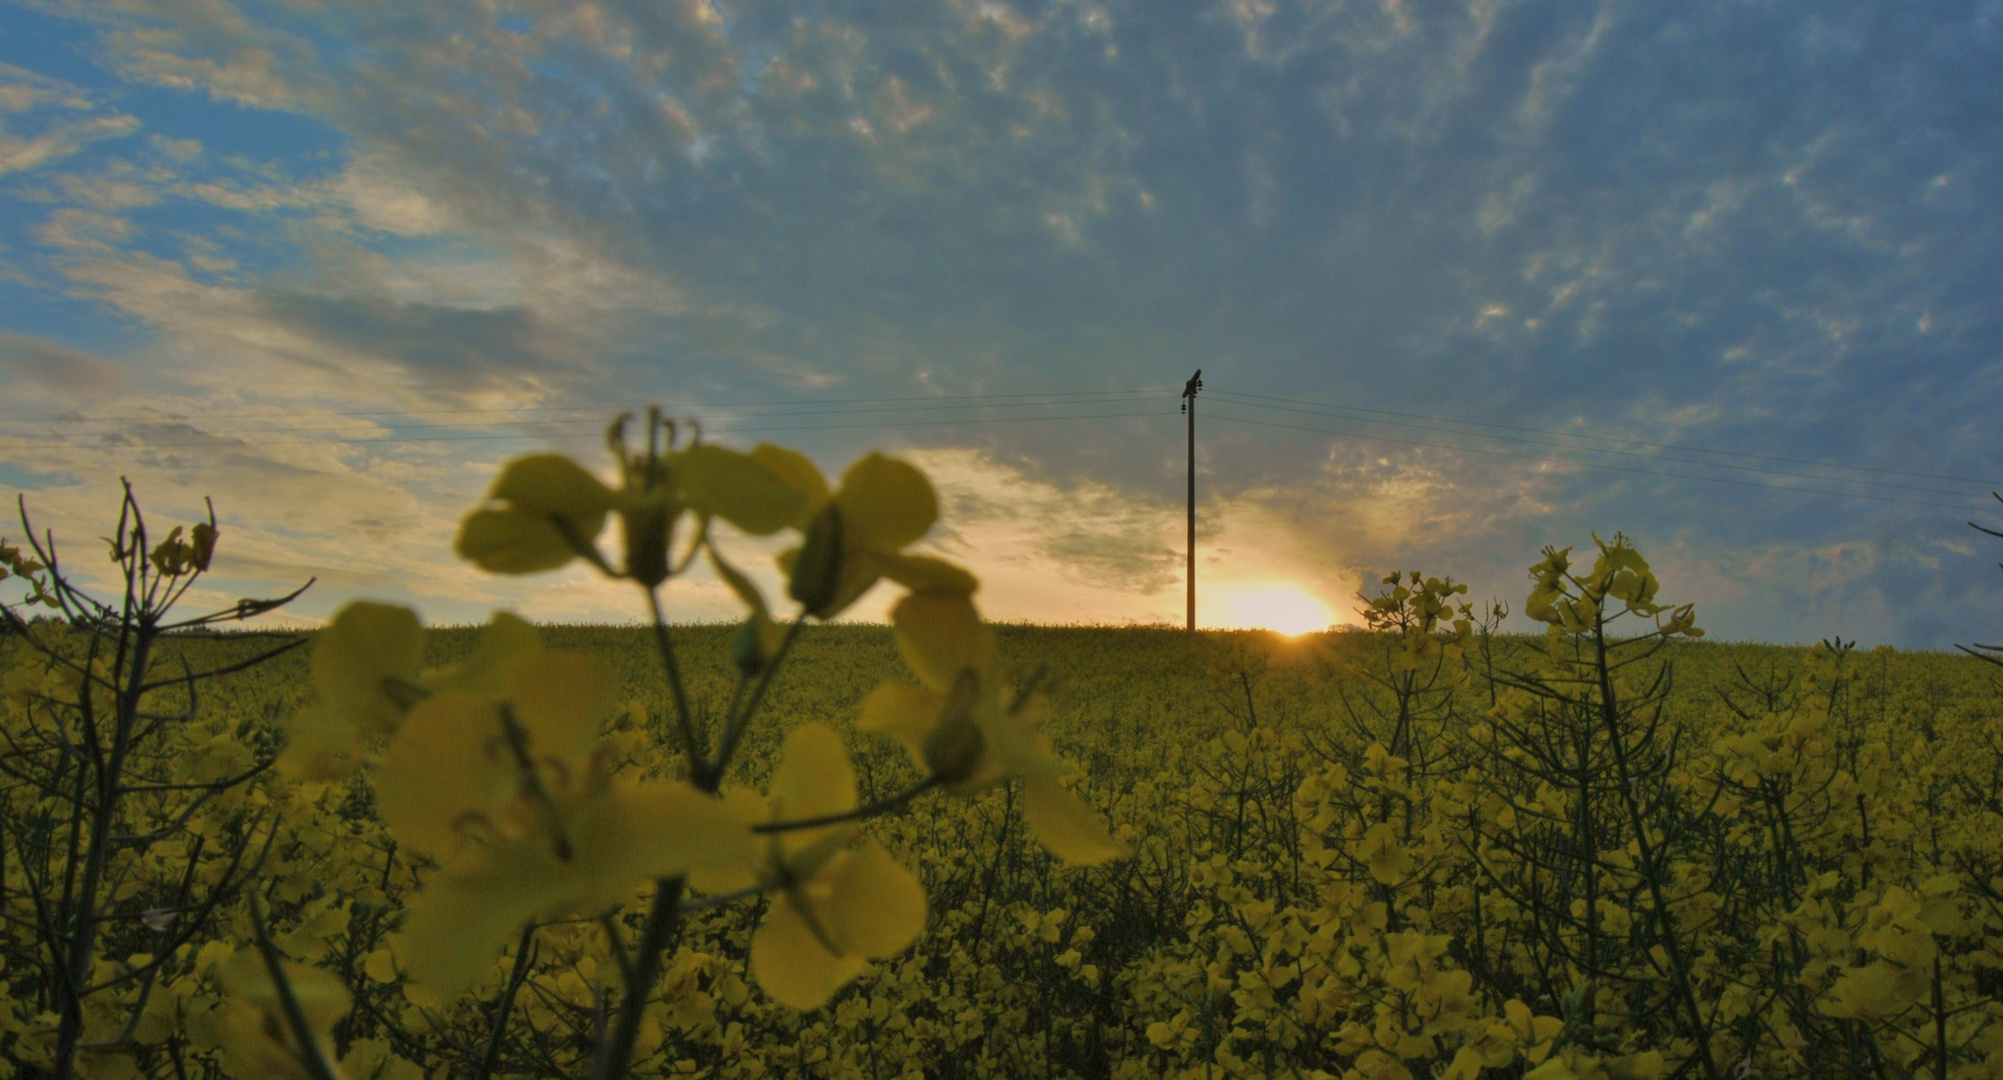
(205, 545)
(648, 524)
(953, 749)
(817, 566)
(747, 649)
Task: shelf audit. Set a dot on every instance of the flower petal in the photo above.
(448, 762)
(814, 778)
(904, 713)
(940, 635)
(792, 964)
(738, 488)
(746, 807)
(1065, 825)
(507, 640)
(511, 542)
(469, 911)
(922, 573)
(542, 484)
(640, 831)
(322, 998)
(361, 651)
(256, 1041)
(561, 700)
(796, 472)
(885, 504)
(875, 907)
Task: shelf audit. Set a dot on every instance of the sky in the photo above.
(1464, 279)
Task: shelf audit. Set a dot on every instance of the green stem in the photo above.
(524, 956)
(881, 806)
(288, 1003)
(699, 768)
(734, 731)
(615, 1051)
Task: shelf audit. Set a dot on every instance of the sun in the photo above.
(1279, 606)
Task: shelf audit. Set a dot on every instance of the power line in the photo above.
(789, 408)
(1601, 450)
(597, 423)
(597, 408)
(1613, 439)
(1589, 464)
(234, 444)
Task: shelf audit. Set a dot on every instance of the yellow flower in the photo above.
(1535, 1035)
(839, 901)
(514, 796)
(363, 664)
(365, 670)
(542, 512)
(857, 535)
(621, 835)
(1386, 857)
(962, 727)
(740, 488)
(545, 510)
(252, 1029)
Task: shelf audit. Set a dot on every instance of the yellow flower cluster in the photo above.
(497, 769)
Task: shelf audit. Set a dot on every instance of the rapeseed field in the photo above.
(790, 847)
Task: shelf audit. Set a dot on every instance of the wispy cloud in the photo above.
(55, 118)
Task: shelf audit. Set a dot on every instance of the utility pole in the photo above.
(1189, 390)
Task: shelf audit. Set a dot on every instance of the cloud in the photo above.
(432, 344)
(383, 200)
(54, 367)
(77, 121)
(210, 46)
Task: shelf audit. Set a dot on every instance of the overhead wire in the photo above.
(596, 426)
(385, 432)
(1587, 464)
(514, 418)
(1614, 439)
(1602, 450)
(598, 408)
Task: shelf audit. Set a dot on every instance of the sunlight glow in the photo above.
(1279, 606)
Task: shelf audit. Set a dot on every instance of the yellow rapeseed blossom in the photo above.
(542, 511)
(363, 667)
(516, 799)
(545, 509)
(838, 901)
(365, 670)
(961, 727)
(252, 1030)
(857, 535)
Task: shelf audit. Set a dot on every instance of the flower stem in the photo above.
(615, 1051)
(881, 806)
(310, 1056)
(699, 769)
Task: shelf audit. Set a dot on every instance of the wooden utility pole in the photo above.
(1189, 390)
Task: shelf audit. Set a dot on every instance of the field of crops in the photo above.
(1422, 850)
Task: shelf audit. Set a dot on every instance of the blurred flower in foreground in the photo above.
(963, 728)
(837, 901)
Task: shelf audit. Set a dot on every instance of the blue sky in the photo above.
(1465, 279)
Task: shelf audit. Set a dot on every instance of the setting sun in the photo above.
(1278, 606)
